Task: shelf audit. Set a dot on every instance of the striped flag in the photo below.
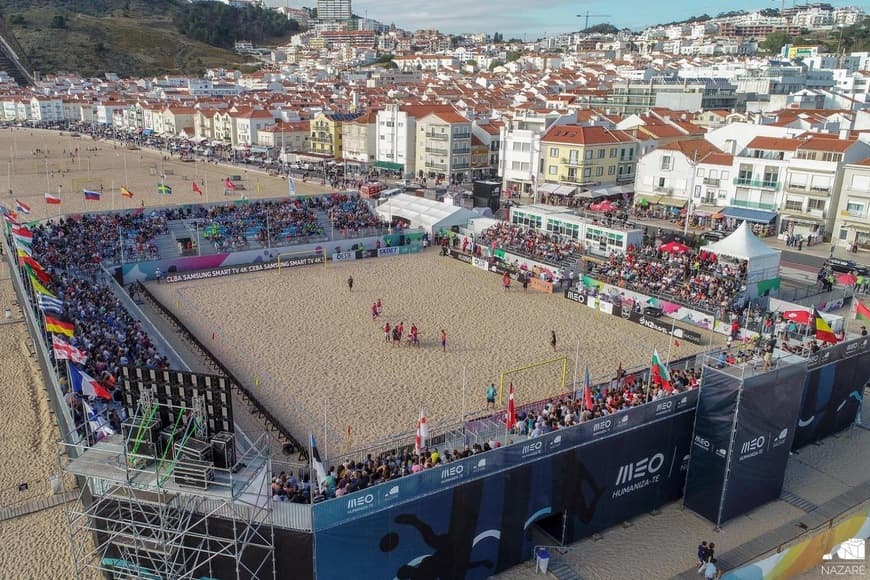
(22, 207)
(38, 287)
(50, 304)
(861, 311)
(97, 422)
(65, 351)
(11, 217)
(823, 329)
(83, 383)
(91, 195)
(126, 192)
(34, 268)
(52, 199)
(316, 462)
(22, 235)
(58, 326)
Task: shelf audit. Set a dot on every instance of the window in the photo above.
(700, 172)
(587, 172)
(587, 154)
(610, 170)
(614, 152)
(599, 171)
(602, 153)
(855, 208)
(829, 156)
(745, 173)
(667, 162)
(554, 151)
(818, 204)
(820, 183)
(860, 183)
(797, 180)
(771, 175)
(804, 154)
(520, 166)
(844, 234)
(553, 170)
(573, 157)
(723, 193)
(724, 175)
(794, 205)
(697, 191)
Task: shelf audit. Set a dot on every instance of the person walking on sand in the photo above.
(490, 396)
(443, 340)
(387, 329)
(702, 556)
(350, 283)
(553, 339)
(525, 283)
(506, 281)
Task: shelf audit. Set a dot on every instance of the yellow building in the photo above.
(326, 133)
(587, 156)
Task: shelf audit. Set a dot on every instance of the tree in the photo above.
(775, 41)
(495, 64)
(513, 55)
(471, 62)
(385, 58)
(604, 28)
(58, 21)
(769, 12)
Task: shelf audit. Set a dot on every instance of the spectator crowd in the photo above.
(546, 247)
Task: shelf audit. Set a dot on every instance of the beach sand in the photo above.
(307, 346)
(35, 545)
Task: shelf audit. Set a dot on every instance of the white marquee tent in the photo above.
(431, 216)
(742, 244)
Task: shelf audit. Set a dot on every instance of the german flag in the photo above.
(823, 329)
(58, 326)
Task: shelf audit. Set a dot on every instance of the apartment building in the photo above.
(852, 220)
(444, 147)
(359, 143)
(580, 155)
(326, 133)
(520, 147)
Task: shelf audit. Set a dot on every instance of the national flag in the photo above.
(22, 207)
(823, 329)
(511, 419)
(291, 185)
(196, 189)
(91, 195)
(659, 373)
(316, 462)
(34, 270)
(52, 199)
(587, 392)
(49, 304)
(126, 192)
(22, 235)
(861, 311)
(58, 326)
(38, 287)
(96, 422)
(422, 431)
(65, 351)
(797, 316)
(11, 217)
(164, 189)
(24, 250)
(228, 183)
(85, 384)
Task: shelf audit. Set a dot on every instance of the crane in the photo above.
(586, 15)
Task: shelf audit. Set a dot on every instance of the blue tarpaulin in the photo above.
(758, 216)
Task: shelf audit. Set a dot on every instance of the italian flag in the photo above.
(659, 373)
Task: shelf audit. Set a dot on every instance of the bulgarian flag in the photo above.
(22, 235)
(823, 329)
(861, 311)
(659, 372)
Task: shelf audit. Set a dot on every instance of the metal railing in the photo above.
(753, 204)
(438, 136)
(756, 183)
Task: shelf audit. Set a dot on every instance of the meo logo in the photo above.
(358, 502)
(753, 445)
(601, 425)
(642, 468)
(453, 471)
(532, 448)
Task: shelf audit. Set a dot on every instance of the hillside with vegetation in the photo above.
(138, 37)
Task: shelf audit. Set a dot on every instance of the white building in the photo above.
(852, 222)
(520, 142)
(46, 109)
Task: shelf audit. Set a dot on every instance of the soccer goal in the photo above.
(294, 259)
(535, 381)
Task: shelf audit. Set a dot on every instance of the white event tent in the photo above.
(742, 244)
(431, 216)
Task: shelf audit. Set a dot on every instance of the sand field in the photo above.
(307, 346)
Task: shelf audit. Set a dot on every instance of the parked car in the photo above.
(843, 265)
(712, 236)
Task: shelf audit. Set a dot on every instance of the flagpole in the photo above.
(206, 188)
(464, 386)
(576, 363)
(112, 193)
(325, 440)
(671, 339)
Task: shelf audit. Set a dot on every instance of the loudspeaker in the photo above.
(142, 436)
(194, 449)
(168, 437)
(192, 473)
(223, 447)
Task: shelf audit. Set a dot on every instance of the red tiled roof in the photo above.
(579, 135)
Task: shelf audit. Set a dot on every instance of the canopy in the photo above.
(674, 248)
(758, 216)
(427, 214)
(742, 244)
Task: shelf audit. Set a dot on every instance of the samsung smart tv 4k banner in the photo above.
(766, 418)
(710, 442)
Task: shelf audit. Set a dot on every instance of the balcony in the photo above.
(826, 191)
(437, 166)
(753, 204)
(712, 182)
(708, 200)
(462, 135)
(574, 179)
(461, 150)
(799, 189)
(664, 190)
(324, 139)
(438, 136)
(853, 214)
(573, 162)
(436, 151)
(756, 183)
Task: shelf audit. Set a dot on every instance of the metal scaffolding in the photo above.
(142, 515)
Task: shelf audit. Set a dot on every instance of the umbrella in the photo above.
(798, 316)
(603, 206)
(674, 248)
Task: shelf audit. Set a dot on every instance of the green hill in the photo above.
(137, 37)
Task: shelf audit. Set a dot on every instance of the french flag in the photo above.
(92, 195)
(22, 207)
(86, 385)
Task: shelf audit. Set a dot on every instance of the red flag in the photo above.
(228, 183)
(196, 188)
(797, 316)
(587, 394)
(861, 311)
(511, 419)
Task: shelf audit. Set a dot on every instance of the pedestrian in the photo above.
(443, 340)
(374, 310)
(350, 283)
(387, 332)
(506, 281)
(379, 305)
(711, 572)
(702, 556)
(490, 396)
(553, 339)
(526, 283)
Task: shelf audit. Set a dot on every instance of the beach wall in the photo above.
(472, 518)
(824, 551)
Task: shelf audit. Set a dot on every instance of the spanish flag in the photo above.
(823, 329)
(58, 326)
(126, 192)
(38, 287)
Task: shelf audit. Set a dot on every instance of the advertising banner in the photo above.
(388, 252)
(475, 527)
(539, 285)
(247, 269)
(832, 390)
(766, 418)
(710, 442)
(344, 256)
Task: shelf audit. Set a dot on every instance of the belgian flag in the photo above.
(823, 329)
